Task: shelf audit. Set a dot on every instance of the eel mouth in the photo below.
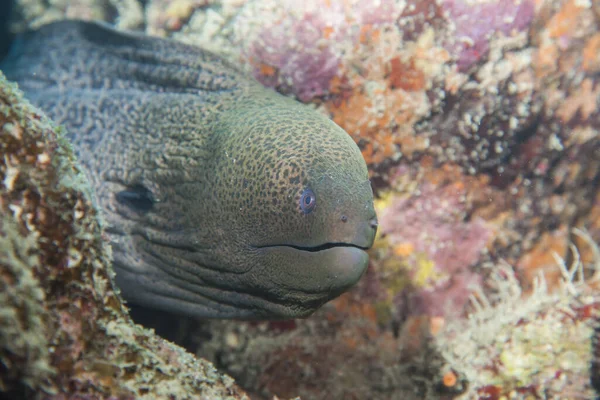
(329, 268)
(315, 249)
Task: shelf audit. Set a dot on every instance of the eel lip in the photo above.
(329, 269)
(314, 249)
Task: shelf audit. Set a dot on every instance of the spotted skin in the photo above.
(199, 172)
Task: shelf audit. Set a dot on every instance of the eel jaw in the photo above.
(285, 281)
(328, 269)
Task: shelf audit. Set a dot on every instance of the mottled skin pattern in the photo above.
(200, 172)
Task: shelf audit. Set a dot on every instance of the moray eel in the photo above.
(221, 198)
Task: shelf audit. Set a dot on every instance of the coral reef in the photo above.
(537, 346)
(64, 332)
(304, 67)
(480, 124)
(479, 120)
(476, 22)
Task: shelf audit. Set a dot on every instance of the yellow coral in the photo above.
(425, 272)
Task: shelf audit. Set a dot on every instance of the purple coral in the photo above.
(447, 298)
(433, 223)
(294, 57)
(376, 12)
(296, 53)
(476, 22)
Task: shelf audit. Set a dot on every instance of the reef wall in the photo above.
(479, 121)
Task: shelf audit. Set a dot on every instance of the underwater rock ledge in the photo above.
(64, 331)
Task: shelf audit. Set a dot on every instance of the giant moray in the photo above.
(221, 198)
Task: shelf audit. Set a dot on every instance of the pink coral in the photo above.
(433, 223)
(298, 52)
(447, 298)
(376, 12)
(476, 22)
(294, 58)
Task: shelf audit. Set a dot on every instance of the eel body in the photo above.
(222, 199)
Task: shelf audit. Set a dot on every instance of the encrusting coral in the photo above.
(64, 332)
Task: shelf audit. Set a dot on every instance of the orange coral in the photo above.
(267, 70)
(327, 32)
(368, 34)
(565, 20)
(546, 60)
(589, 227)
(450, 379)
(405, 75)
(591, 54)
(356, 117)
(346, 304)
(404, 249)
(541, 258)
(584, 100)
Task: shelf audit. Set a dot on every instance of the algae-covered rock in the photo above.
(64, 331)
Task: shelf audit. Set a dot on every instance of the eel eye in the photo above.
(137, 198)
(308, 201)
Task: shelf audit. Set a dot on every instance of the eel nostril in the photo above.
(373, 223)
